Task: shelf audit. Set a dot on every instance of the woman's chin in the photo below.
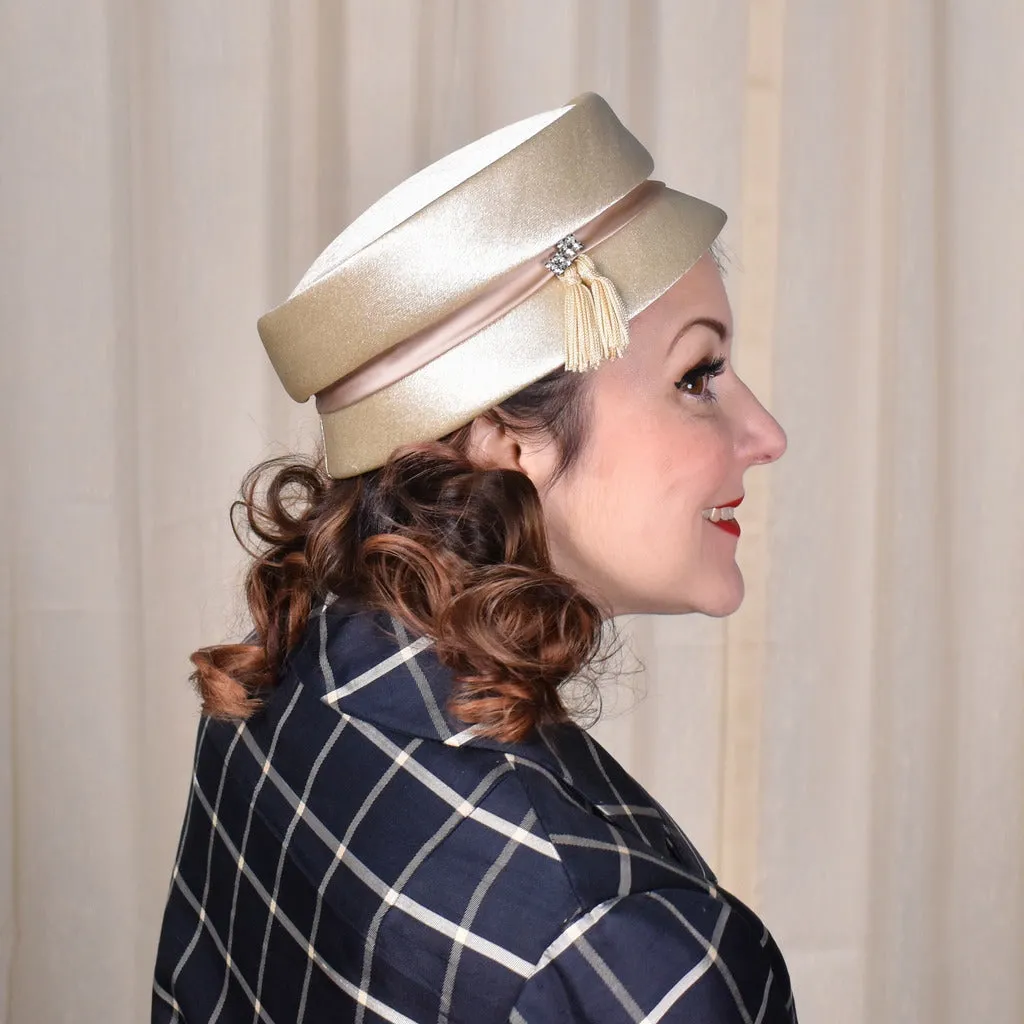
(715, 598)
(724, 598)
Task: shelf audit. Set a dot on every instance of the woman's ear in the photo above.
(492, 445)
(495, 444)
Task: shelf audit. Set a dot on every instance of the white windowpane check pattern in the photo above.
(353, 853)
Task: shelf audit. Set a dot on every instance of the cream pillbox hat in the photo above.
(527, 250)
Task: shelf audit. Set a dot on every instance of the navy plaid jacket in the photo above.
(353, 853)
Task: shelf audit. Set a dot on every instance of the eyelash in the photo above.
(709, 369)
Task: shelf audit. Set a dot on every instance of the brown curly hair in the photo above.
(455, 550)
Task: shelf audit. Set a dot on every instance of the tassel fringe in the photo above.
(595, 318)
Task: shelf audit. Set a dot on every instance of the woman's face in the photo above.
(672, 431)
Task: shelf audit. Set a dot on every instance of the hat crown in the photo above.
(421, 189)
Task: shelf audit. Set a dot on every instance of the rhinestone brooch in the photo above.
(566, 252)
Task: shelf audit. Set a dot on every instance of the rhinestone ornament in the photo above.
(566, 252)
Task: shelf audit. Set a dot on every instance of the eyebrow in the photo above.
(701, 321)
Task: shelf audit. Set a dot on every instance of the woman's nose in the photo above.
(774, 441)
(764, 440)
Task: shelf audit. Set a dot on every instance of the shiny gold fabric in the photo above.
(487, 305)
(438, 260)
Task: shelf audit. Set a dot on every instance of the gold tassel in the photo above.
(580, 321)
(595, 319)
(612, 332)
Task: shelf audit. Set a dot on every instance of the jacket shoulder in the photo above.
(673, 955)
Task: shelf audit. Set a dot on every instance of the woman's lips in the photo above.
(713, 516)
(729, 525)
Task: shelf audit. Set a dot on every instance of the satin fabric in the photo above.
(362, 298)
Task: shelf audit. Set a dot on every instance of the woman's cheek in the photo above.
(708, 458)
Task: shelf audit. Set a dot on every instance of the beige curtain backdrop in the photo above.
(847, 750)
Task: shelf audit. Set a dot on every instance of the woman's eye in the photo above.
(698, 387)
(697, 382)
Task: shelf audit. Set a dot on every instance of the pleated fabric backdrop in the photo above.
(848, 749)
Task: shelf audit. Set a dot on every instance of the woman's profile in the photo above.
(521, 359)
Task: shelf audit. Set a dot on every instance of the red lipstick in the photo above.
(730, 526)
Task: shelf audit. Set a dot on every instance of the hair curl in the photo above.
(456, 551)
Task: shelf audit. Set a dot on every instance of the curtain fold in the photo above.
(847, 750)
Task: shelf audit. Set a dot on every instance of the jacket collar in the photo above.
(368, 665)
(365, 664)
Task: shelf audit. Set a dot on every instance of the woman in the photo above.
(531, 425)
